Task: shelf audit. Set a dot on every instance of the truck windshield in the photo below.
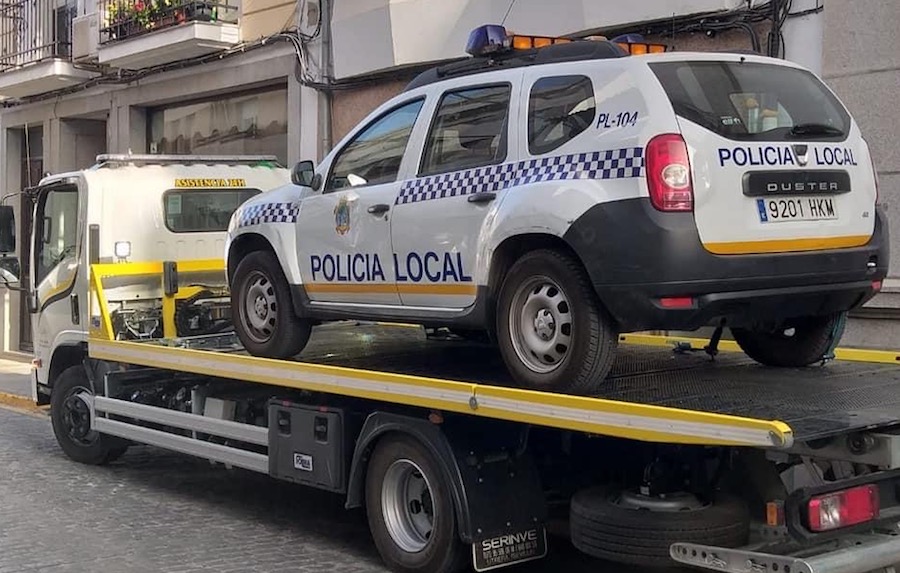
(56, 224)
(752, 101)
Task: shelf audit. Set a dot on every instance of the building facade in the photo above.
(144, 76)
(861, 62)
(290, 77)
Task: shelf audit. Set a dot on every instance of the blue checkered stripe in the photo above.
(610, 164)
(269, 213)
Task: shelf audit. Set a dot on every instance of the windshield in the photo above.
(753, 101)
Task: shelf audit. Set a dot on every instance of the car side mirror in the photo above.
(304, 173)
(7, 229)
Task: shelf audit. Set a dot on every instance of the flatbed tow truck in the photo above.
(704, 459)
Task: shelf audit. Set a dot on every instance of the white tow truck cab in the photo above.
(130, 208)
(718, 464)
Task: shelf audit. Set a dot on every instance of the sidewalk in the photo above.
(15, 378)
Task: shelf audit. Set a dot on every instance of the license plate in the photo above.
(776, 210)
(509, 549)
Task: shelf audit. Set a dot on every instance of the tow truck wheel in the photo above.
(261, 304)
(627, 527)
(410, 511)
(71, 420)
(553, 332)
(798, 342)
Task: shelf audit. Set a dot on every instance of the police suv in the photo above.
(556, 196)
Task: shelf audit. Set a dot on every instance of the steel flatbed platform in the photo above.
(653, 393)
(817, 402)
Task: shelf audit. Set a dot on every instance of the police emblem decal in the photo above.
(342, 216)
(801, 152)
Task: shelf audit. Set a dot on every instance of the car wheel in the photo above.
(261, 306)
(552, 330)
(410, 511)
(71, 421)
(798, 342)
(627, 527)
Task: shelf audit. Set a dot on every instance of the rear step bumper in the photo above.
(853, 554)
(636, 255)
(738, 308)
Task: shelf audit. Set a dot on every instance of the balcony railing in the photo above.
(35, 30)
(129, 18)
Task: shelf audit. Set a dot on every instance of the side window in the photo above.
(469, 130)
(57, 227)
(374, 155)
(559, 108)
(202, 210)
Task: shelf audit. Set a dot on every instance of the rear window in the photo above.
(202, 210)
(752, 101)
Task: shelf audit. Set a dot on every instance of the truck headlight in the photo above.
(122, 249)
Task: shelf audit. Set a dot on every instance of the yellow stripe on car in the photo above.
(786, 245)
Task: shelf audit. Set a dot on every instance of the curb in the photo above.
(22, 403)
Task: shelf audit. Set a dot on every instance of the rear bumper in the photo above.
(854, 554)
(858, 548)
(636, 255)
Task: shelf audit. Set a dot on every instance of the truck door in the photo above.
(344, 238)
(57, 304)
(462, 176)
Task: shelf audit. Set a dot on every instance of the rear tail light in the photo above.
(669, 173)
(843, 508)
(676, 302)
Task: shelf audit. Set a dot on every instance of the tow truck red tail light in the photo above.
(669, 173)
(843, 508)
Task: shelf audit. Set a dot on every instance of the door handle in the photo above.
(76, 315)
(379, 208)
(482, 197)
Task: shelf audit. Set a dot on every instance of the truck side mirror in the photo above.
(304, 173)
(9, 270)
(7, 229)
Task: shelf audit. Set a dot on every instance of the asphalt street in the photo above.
(155, 511)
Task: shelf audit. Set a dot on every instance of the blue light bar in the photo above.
(486, 40)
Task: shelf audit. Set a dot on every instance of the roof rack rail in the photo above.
(181, 159)
(568, 52)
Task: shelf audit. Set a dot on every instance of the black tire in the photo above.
(443, 552)
(591, 336)
(799, 342)
(602, 528)
(70, 418)
(278, 333)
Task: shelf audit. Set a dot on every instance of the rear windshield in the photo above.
(753, 101)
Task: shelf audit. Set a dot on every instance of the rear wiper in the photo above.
(815, 129)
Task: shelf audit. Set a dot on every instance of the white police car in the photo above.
(558, 196)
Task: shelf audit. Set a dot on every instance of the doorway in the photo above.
(32, 146)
